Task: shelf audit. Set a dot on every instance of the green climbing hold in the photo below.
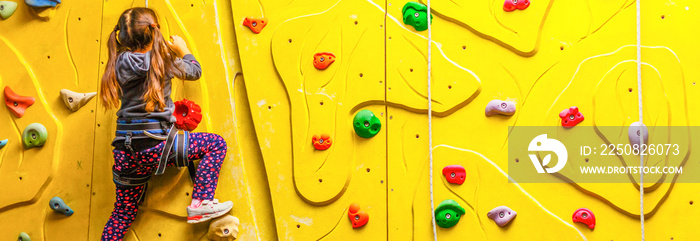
(34, 135)
(448, 213)
(24, 237)
(415, 14)
(366, 124)
(7, 8)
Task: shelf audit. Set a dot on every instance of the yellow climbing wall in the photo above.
(262, 93)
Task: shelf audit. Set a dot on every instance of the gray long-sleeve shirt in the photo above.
(132, 72)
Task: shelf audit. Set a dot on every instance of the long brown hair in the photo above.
(136, 30)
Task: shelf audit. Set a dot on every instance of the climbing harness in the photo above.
(176, 145)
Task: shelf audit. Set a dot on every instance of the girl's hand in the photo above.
(178, 45)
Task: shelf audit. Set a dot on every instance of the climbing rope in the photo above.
(430, 120)
(641, 119)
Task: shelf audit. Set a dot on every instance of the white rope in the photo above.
(430, 119)
(641, 119)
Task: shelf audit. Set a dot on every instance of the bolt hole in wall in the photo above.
(269, 107)
(691, 202)
(320, 180)
(159, 235)
(630, 89)
(290, 41)
(663, 16)
(361, 75)
(79, 19)
(367, 169)
(298, 226)
(48, 56)
(561, 47)
(355, 22)
(464, 47)
(417, 136)
(517, 160)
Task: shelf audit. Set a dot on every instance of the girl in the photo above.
(140, 66)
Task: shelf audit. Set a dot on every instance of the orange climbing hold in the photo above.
(17, 103)
(255, 24)
(357, 218)
(322, 142)
(323, 60)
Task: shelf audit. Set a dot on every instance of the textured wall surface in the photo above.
(262, 93)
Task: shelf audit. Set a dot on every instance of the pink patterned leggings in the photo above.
(210, 148)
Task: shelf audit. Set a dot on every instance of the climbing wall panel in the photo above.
(163, 213)
(42, 53)
(292, 99)
(668, 71)
(544, 58)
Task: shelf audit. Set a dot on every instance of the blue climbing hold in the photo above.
(42, 3)
(58, 205)
(3, 143)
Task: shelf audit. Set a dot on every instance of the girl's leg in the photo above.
(211, 149)
(125, 208)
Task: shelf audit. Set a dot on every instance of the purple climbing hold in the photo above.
(500, 107)
(42, 3)
(502, 215)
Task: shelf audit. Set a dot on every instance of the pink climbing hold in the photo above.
(511, 5)
(570, 117)
(585, 216)
(454, 174)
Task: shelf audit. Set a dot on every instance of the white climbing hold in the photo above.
(637, 133)
(7, 8)
(74, 100)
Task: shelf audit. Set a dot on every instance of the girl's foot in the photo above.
(207, 210)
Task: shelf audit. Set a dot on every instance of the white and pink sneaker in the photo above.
(207, 210)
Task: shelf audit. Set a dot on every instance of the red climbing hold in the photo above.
(585, 216)
(255, 24)
(454, 174)
(322, 142)
(17, 103)
(323, 60)
(511, 5)
(187, 115)
(570, 117)
(357, 218)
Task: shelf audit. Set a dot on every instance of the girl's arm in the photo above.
(189, 66)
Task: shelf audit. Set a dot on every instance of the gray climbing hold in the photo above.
(7, 8)
(3, 143)
(74, 100)
(42, 3)
(502, 215)
(500, 107)
(59, 206)
(637, 130)
(24, 237)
